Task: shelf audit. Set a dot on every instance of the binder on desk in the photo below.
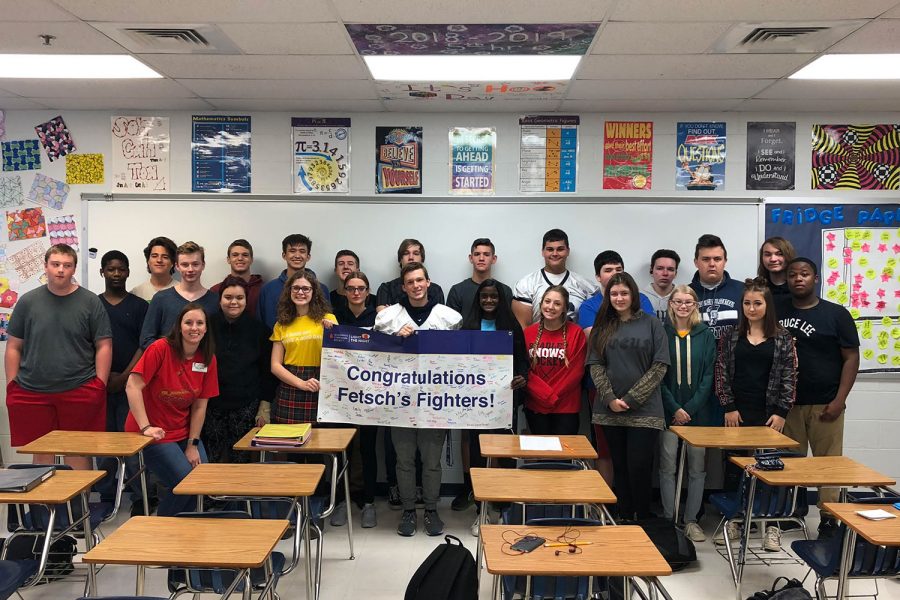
(280, 435)
(24, 480)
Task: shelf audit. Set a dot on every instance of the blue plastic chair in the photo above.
(868, 560)
(14, 574)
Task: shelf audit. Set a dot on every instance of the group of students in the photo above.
(196, 368)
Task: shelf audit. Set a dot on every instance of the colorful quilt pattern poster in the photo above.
(627, 155)
(48, 192)
(398, 160)
(84, 168)
(548, 154)
(700, 156)
(26, 224)
(140, 153)
(55, 138)
(856, 157)
(21, 155)
(220, 154)
(11, 191)
(472, 160)
(321, 150)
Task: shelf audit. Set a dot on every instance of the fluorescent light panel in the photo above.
(74, 66)
(851, 66)
(472, 68)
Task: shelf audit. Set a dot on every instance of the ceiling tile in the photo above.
(471, 11)
(18, 103)
(293, 105)
(473, 106)
(669, 89)
(96, 88)
(831, 105)
(201, 11)
(71, 37)
(33, 10)
(195, 66)
(843, 90)
(142, 104)
(651, 105)
(704, 66)
(740, 10)
(657, 38)
(290, 38)
(277, 88)
(876, 37)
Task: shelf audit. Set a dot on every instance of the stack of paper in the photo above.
(876, 514)
(539, 443)
(284, 436)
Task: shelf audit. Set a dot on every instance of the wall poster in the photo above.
(321, 150)
(548, 153)
(140, 153)
(770, 156)
(220, 153)
(472, 160)
(627, 155)
(398, 160)
(700, 156)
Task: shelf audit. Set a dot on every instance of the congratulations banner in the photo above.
(432, 379)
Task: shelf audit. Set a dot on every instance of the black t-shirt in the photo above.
(126, 319)
(752, 365)
(819, 333)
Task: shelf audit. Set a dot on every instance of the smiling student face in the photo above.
(553, 307)
(233, 302)
(345, 265)
(296, 256)
(773, 259)
(239, 259)
(193, 327)
(488, 298)
(190, 266)
(620, 298)
(160, 261)
(415, 285)
(555, 255)
(301, 292)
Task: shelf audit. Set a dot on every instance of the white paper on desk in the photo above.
(876, 514)
(533, 442)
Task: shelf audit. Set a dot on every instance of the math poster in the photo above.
(856, 157)
(321, 150)
(220, 153)
(548, 154)
(770, 156)
(472, 160)
(627, 155)
(858, 249)
(140, 154)
(700, 156)
(398, 160)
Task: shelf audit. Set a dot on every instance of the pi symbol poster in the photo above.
(398, 160)
(472, 160)
(321, 149)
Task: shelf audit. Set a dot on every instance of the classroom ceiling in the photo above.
(296, 55)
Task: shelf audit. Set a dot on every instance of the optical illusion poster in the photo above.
(857, 247)
(856, 157)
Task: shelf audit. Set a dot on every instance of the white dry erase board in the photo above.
(373, 228)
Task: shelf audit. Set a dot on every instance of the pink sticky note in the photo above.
(866, 247)
(829, 236)
(881, 305)
(858, 278)
(854, 302)
(848, 251)
(829, 246)
(857, 287)
(882, 247)
(848, 260)
(885, 277)
(896, 293)
(896, 248)
(880, 293)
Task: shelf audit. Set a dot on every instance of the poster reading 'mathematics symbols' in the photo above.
(472, 160)
(548, 154)
(321, 150)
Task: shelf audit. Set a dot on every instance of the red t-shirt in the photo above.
(172, 386)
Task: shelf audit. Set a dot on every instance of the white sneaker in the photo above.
(476, 525)
(734, 534)
(694, 532)
(772, 540)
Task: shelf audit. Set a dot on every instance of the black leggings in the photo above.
(552, 423)
(632, 450)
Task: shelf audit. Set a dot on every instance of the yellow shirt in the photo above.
(302, 340)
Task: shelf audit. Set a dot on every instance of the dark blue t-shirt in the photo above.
(126, 319)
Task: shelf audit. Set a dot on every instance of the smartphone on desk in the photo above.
(528, 543)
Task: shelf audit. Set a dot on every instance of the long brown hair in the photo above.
(607, 322)
(318, 304)
(770, 322)
(565, 325)
(176, 340)
(786, 248)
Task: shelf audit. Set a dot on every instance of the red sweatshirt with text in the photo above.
(554, 386)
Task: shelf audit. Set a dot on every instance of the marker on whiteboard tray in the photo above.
(92, 253)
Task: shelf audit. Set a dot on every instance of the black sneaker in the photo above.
(828, 528)
(463, 501)
(137, 507)
(433, 523)
(420, 496)
(394, 502)
(409, 523)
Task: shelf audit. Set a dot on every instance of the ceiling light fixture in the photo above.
(74, 66)
(851, 66)
(472, 68)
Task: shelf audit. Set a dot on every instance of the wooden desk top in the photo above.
(507, 446)
(541, 486)
(255, 479)
(187, 542)
(881, 533)
(88, 443)
(813, 471)
(62, 487)
(324, 440)
(615, 551)
(733, 438)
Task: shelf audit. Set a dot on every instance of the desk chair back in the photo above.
(518, 514)
(14, 574)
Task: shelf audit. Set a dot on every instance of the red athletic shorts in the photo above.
(33, 414)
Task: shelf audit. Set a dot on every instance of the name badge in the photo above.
(198, 368)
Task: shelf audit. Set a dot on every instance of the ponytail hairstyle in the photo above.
(770, 322)
(565, 326)
(608, 321)
(318, 305)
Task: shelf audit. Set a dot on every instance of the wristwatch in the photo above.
(194, 441)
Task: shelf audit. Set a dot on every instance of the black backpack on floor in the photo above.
(447, 574)
(671, 542)
(791, 590)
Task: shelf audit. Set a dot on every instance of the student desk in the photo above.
(60, 488)
(726, 438)
(880, 533)
(293, 482)
(620, 551)
(104, 444)
(538, 487)
(810, 471)
(331, 441)
(239, 544)
(574, 448)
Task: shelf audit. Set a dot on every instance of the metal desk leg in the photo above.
(309, 576)
(745, 538)
(346, 475)
(88, 542)
(626, 587)
(143, 469)
(495, 590)
(45, 549)
(139, 580)
(528, 587)
(243, 575)
(679, 475)
(844, 569)
(478, 550)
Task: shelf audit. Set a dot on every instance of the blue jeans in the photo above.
(167, 461)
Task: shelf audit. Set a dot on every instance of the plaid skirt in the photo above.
(293, 405)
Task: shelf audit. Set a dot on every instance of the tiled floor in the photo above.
(385, 562)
